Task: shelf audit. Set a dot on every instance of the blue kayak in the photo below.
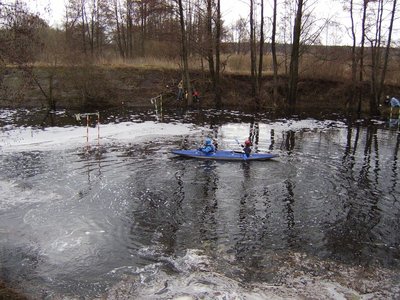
(223, 155)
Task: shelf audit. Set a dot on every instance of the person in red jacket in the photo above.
(247, 147)
(196, 95)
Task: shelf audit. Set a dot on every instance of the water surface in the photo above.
(125, 217)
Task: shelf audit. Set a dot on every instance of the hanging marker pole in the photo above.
(87, 115)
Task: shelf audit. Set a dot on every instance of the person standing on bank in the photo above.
(196, 95)
(393, 102)
(180, 91)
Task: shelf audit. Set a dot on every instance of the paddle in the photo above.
(241, 146)
(239, 143)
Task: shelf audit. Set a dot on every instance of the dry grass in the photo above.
(311, 65)
(140, 62)
(240, 63)
(315, 68)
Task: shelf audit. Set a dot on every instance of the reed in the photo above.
(332, 66)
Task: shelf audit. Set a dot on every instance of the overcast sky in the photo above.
(231, 9)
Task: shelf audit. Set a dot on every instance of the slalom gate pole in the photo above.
(87, 115)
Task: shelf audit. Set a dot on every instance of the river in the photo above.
(106, 211)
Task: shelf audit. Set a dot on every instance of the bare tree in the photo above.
(210, 43)
(213, 48)
(82, 14)
(376, 55)
(379, 54)
(123, 30)
(118, 30)
(353, 59)
(285, 30)
(185, 55)
(129, 28)
(241, 34)
(85, 27)
(260, 63)
(361, 54)
(253, 67)
(95, 18)
(20, 44)
(218, 26)
(388, 44)
(274, 57)
(295, 55)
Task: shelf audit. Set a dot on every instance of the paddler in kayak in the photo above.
(208, 146)
(247, 147)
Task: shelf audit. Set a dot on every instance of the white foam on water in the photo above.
(57, 138)
(200, 280)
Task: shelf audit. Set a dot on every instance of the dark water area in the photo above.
(128, 218)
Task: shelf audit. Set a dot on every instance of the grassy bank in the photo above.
(121, 85)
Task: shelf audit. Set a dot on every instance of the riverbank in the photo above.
(100, 87)
(7, 293)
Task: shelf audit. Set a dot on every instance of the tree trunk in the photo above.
(119, 42)
(92, 25)
(210, 52)
(143, 14)
(274, 57)
(295, 56)
(376, 59)
(129, 29)
(361, 70)
(83, 15)
(386, 58)
(217, 57)
(352, 95)
(187, 84)
(253, 52)
(260, 62)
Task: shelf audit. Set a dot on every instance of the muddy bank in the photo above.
(7, 293)
(100, 87)
(299, 277)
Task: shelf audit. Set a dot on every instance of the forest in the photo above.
(276, 49)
